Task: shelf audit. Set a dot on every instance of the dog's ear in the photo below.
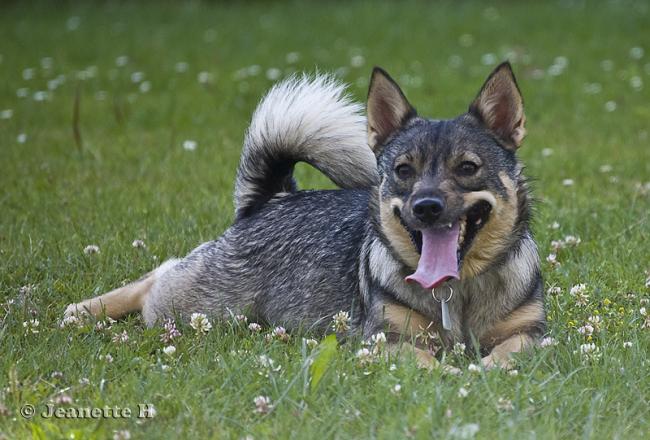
(500, 107)
(388, 110)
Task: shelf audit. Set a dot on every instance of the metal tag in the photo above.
(444, 308)
(446, 319)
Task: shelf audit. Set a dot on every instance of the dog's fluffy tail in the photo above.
(309, 119)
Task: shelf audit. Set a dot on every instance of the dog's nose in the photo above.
(428, 209)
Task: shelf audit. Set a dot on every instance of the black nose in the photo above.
(427, 210)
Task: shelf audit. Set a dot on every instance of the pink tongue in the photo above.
(438, 260)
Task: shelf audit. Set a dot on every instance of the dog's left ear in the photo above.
(500, 107)
(388, 109)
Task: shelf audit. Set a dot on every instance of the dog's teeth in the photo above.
(478, 222)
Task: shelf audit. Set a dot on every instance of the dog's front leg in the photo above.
(500, 356)
(517, 332)
(409, 330)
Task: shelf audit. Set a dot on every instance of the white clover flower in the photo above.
(204, 77)
(31, 326)
(241, 318)
(605, 168)
(122, 434)
(41, 95)
(200, 323)
(546, 152)
(557, 245)
(548, 342)
(341, 322)
(311, 343)
(145, 87)
(643, 311)
(137, 77)
(392, 367)
(571, 240)
(72, 320)
(379, 339)
(595, 321)
(357, 61)
(396, 389)
(555, 225)
(106, 357)
(47, 62)
(6, 114)
(121, 338)
(592, 88)
(84, 381)
(552, 259)
(488, 59)
(273, 73)
(169, 350)
(164, 367)
(579, 291)
(28, 74)
(189, 145)
(627, 344)
(72, 24)
(292, 57)
(170, 331)
(610, 106)
(504, 404)
(364, 356)
(91, 249)
(21, 138)
(586, 330)
(588, 348)
(473, 368)
(56, 375)
(554, 290)
(262, 404)
(181, 67)
(467, 431)
(121, 61)
(636, 82)
(255, 327)
(63, 399)
(462, 392)
(280, 333)
(267, 366)
(138, 244)
(568, 182)
(513, 373)
(636, 53)
(459, 349)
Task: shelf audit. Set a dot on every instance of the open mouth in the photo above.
(442, 248)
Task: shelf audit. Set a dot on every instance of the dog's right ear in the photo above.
(388, 109)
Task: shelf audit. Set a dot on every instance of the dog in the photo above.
(428, 239)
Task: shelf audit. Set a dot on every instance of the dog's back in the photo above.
(294, 262)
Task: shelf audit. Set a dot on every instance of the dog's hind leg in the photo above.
(118, 302)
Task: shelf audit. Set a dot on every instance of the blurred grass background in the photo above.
(152, 75)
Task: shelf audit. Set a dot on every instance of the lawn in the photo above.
(123, 121)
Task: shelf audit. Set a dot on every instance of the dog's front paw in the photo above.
(76, 309)
(491, 361)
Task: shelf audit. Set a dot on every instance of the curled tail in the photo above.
(303, 119)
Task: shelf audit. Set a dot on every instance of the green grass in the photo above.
(131, 179)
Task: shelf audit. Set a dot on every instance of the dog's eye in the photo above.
(467, 168)
(404, 171)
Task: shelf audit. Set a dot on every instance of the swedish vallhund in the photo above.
(428, 235)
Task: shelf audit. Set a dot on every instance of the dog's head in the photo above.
(449, 188)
